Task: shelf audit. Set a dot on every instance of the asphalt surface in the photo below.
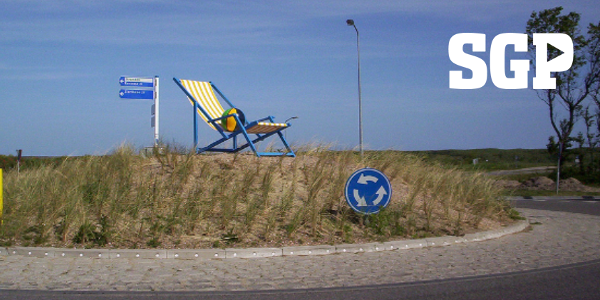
(557, 247)
(533, 170)
(581, 205)
(576, 281)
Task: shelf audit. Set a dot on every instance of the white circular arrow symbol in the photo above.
(365, 179)
(381, 192)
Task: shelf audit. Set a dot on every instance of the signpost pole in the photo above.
(19, 153)
(156, 110)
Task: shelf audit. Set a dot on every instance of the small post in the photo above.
(560, 149)
(1, 199)
(19, 153)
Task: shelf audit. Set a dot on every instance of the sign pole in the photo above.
(1, 199)
(19, 153)
(156, 110)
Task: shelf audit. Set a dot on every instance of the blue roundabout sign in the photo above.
(368, 191)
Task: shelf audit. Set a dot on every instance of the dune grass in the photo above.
(174, 199)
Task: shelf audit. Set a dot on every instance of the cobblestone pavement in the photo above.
(555, 238)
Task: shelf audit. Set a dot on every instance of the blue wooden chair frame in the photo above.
(262, 128)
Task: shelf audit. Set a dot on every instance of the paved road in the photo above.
(578, 281)
(557, 239)
(533, 170)
(565, 204)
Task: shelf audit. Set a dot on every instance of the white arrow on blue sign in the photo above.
(136, 94)
(136, 81)
(368, 191)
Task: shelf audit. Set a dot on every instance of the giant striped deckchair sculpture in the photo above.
(206, 104)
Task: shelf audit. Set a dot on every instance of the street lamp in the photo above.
(292, 118)
(350, 22)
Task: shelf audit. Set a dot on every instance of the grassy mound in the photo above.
(174, 200)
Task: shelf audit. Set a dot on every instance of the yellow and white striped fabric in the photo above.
(204, 94)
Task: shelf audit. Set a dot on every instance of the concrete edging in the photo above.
(262, 252)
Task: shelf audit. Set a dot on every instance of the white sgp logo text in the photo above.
(520, 67)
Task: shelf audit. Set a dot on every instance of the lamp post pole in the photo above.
(350, 22)
(292, 118)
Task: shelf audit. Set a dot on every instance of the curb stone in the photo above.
(252, 252)
(196, 254)
(308, 250)
(262, 252)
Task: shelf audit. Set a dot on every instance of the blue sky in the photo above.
(60, 62)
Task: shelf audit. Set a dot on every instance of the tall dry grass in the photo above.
(177, 199)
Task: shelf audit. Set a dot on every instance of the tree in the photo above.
(575, 85)
(589, 140)
(594, 53)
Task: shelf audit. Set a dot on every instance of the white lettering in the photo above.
(475, 64)
(520, 67)
(561, 63)
(497, 61)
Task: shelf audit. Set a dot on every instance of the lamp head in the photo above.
(350, 22)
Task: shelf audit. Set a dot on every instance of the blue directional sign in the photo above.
(136, 81)
(368, 191)
(136, 94)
